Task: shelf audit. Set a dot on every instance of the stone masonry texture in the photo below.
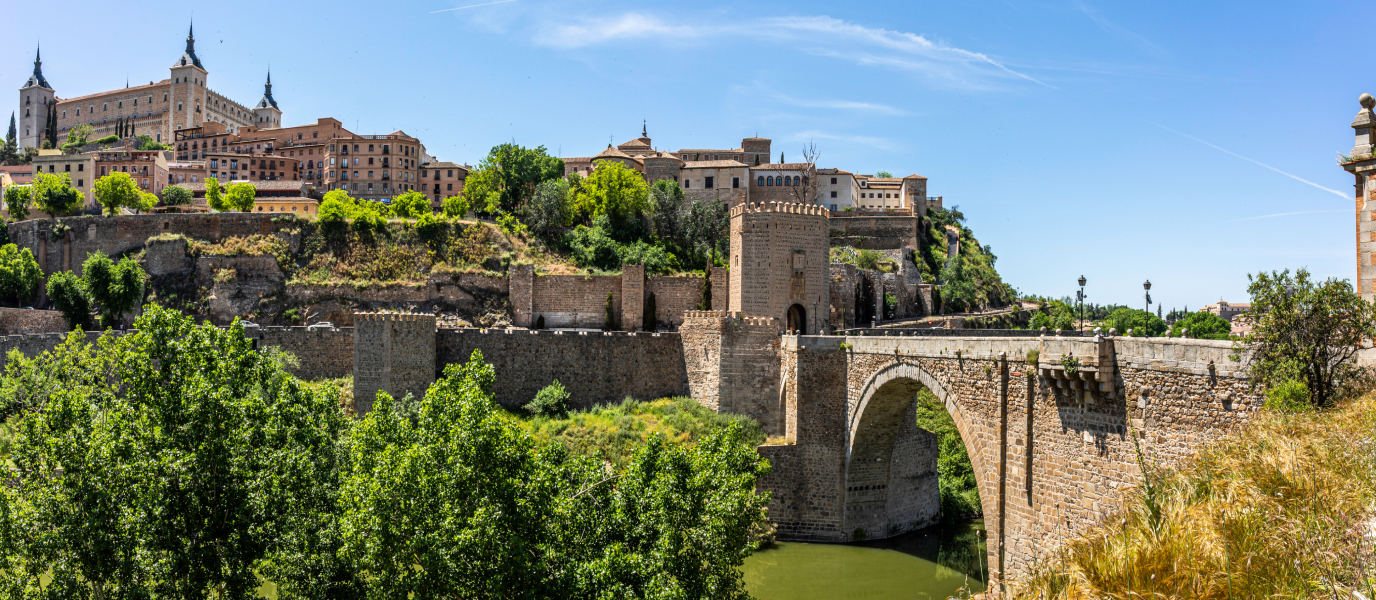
(394, 353)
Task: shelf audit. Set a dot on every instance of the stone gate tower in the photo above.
(34, 99)
(779, 260)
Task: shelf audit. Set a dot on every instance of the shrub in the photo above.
(1290, 395)
(550, 401)
(68, 294)
(411, 205)
(455, 207)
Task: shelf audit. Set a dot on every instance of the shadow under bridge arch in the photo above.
(891, 483)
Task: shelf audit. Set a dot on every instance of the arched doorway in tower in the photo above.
(797, 319)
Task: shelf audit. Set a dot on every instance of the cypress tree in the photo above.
(650, 324)
(11, 138)
(706, 302)
(611, 317)
(52, 124)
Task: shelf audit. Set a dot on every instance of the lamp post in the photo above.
(1147, 286)
(1080, 297)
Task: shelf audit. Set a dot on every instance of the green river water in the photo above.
(936, 562)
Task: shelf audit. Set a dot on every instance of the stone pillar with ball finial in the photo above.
(1362, 165)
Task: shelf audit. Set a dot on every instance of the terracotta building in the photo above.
(440, 180)
(147, 167)
(376, 167)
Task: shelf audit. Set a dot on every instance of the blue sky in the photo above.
(1190, 143)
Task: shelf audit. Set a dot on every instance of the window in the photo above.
(833, 195)
(761, 181)
(67, 168)
(769, 180)
(707, 183)
(81, 183)
(735, 182)
(370, 159)
(687, 183)
(451, 187)
(370, 147)
(64, 113)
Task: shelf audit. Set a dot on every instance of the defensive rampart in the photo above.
(580, 301)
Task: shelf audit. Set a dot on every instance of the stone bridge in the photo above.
(1050, 445)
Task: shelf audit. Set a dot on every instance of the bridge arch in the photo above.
(890, 476)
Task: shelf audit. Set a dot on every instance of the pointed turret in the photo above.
(266, 113)
(189, 56)
(37, 79)
(267, 94)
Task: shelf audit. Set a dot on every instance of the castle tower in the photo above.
(779, 258)
(266, 111)
(34, 98)
(188, 87)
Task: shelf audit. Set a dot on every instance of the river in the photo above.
(936, 562)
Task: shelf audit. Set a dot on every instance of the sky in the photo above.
(1189, 143)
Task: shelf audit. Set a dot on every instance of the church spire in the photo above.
(189, 57)
(38, 79)
(267, 100)
(642, 129)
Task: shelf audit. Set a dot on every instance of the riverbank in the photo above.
(1282, 509)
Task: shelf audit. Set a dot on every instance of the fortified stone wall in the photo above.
(733, 365)
(323, 352)
(580, 301)
(126, 233)
(595, 367)
(25, 320)
(874, 232)
(393, 353)
(779, 262)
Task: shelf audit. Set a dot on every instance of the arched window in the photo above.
(761, 181)
(769, 180)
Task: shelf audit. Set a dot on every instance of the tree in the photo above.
(670, 212)
(116, 287)
(651, 322)
(117, 190)
(12, 136)
(19, 273)
(705, 298)
(175, 462)
(68, 293)
(1307, 331)
(17, 199)
(53, 194)
(146, 142)
(487, 510)
(76, 138)
(513, 172)
(175, 195)
(551, 401)
(707, 225)
(411, 205)
(240, 196)
(613, 190)
(1202, 325)
(610, 322)
(455, 207)
(809, 191)
(1141, 322)
(50, 133)
(214, 195)
(548, 208)
(884, 174)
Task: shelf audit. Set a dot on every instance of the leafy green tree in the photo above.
(76, 138)
(455, 207)
(116, 287)
(1202, 325)
(68, 293)
(411, 205)
(214, 195)
(670, 212)
(613, 190)
(19, 273)
(146, 142)
(512, 172)
(489, 511)
(175, 462)
(1308, 331)
(1141, 322)
(883, 174)
(17, 199)
(706, 227)
(53, 194)
(240, 196)
(117, 190)
(955, 474)
(548, 209)
(175, 195)
(551, 401)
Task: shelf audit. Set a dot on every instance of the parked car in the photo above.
(321, 325)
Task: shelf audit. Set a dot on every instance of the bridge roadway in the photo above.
(1049, 439)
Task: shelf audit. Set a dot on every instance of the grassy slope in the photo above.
(1284, 509)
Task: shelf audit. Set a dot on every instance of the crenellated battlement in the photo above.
(778, 207)
(417, 317)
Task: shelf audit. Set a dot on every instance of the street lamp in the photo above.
(1080, 297)
(1147, 286)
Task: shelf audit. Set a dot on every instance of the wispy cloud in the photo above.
(1288, 214)
(1117, 30)
(852, 105)
(1255, 162)
(817, 36)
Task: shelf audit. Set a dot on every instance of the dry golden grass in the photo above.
(1283, 509)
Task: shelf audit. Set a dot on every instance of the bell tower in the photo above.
(188, 86)
(266, 113)
(34, 98)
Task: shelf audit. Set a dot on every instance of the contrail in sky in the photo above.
(1299, 179)
(1287, 214)
(471, 6)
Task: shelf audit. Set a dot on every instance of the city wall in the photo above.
(580, 301)
(874, 232)
(27, 320)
